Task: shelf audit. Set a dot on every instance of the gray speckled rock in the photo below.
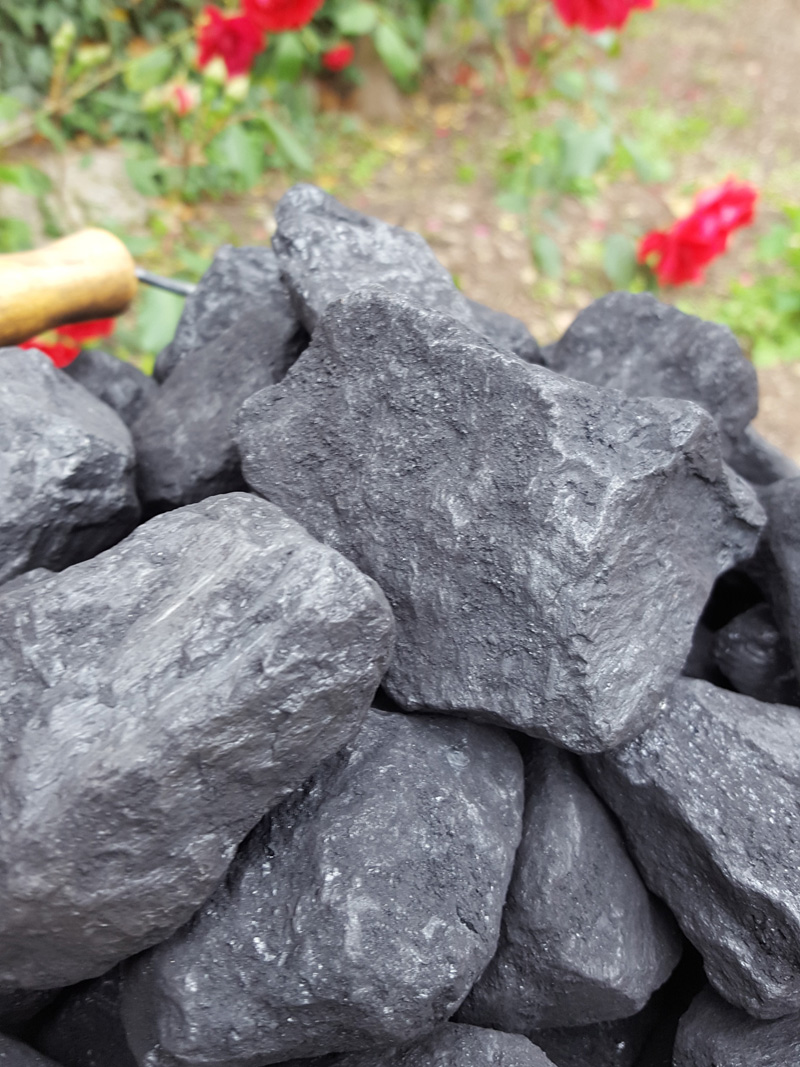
(85, 1028)
(756, 659)
(631, 341)
(759, 461)
(451, 1045)
(238, 278)
(184, 446)
(357, 915)
(516, 520)
(709, 801)
(66, 468)
(15, 1054)
(582, 940)
(714, 1034)
(506, 332)
(777, 563)
(327, 250)
(156, 701)
(117, 383)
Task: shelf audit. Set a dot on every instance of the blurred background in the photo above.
(548, 150)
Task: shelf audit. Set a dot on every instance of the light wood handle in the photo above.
(89, 275)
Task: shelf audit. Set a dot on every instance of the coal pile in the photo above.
(380, 689)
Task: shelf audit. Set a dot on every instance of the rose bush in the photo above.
(596, 15)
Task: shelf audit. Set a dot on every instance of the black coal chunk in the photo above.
(506, 332)
(327, 250)
(582, 940)
(756, 659)
(759, 461)
(117, 383)
(238, 279)
(357, 915)
(516, 520)
(84, 1029)
(16, 1054)
(709, 804)
(156, 701)
(184, 445)
(17, 1006)
(714, 1034)
(67, 485)
(632, 342)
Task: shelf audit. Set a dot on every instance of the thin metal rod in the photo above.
(172, 285)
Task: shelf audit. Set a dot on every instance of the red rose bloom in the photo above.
(338, 58)
(79, 332)
(595, 15)
(683, 252)
(236, 39)
(275, 16)
(62, 352)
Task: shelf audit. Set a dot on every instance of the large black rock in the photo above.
(16, 1054)
(759, 461)
(84, 1029)
(582, 940)
(117, 383)
(357, 915)
(66, 468)
(709, 801)
(755, 657)
(156, 701)
(505, 332)
(516, 520)
(327, 250)
(714, 1034)
(631, 341)
(184, 446)
(238, 279)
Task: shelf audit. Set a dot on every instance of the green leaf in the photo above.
(15, 235)
(149, 70)
(356, 19)
(570, 83)
(287, 143)
(25, 177)
(619, 260)
(240, 150)
(47, 128)
(585, 151)
(547, 255)
(10, 107)
(157, 318)
(401, 60)
(288, 58)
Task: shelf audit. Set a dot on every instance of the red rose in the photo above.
(60, 353)
(87, 331)
(63, 352)
(338, 58)
(594, 15)
(682, 253)
(275, 16)
(236, 39)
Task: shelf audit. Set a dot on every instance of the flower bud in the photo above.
(63, 39)
(92, 55)
(216, 71)
(237, 88)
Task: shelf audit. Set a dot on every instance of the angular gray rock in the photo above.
(326, 250)
(715, 1034)
(85, 1028)
(759, 461)
(709, 802)
(66, 468)
(506, 332)
(238, 278)
(117, 383)
(451, 1045)
(516, 520)
(582, 940)
(156, 701)
(356, 916)
(756, 659)
(184, 446)
(632, 342)
(15, 1054)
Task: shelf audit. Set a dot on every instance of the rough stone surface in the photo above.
(184, 446)
(715, 1034)
(709, 802)
(611, 1044)
(117, 383)
(582, 940)
(756, 659)
(238, 278)
(222, 654)
(85, 1028)
(633, 342)
(777, 564)
(66, 468)
(356, 916)
(451, 1045)
(516, 520)
(17, 1006)
(759, 461)
(506, 332)
(327, 250)
(15, 1054)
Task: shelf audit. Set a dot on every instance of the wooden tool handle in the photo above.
(89, 275)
